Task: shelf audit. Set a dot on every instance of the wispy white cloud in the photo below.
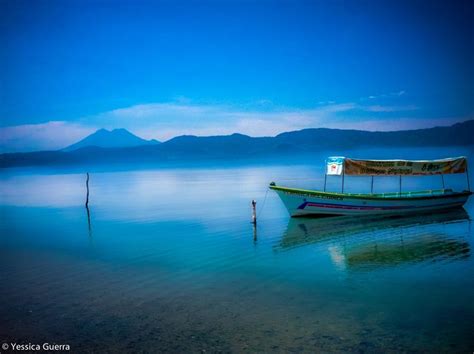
(163, 121)
(382, 108)
(385, 95)
(45, 136)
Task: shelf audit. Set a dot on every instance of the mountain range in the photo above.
(121, 146)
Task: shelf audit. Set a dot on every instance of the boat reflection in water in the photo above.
(375, 241)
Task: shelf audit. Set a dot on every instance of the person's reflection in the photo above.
(254, 233)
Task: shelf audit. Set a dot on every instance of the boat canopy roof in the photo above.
(338, 165)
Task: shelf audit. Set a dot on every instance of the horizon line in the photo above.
(235, 133)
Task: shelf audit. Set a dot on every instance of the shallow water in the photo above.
(167, 260)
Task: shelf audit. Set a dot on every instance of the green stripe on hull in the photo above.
(428, 194)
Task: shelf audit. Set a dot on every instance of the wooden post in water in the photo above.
(87, 187)
(254, 212)
(325, 179)
(442, 179)
(372, 186)
(400, 185)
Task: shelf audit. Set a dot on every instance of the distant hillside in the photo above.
(193, 148)
(457, 134)
(116, 138)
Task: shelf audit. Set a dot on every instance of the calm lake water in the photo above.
(167, 260)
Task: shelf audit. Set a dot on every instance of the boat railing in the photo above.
(415, 193)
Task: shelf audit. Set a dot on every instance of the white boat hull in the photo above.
(301, 202)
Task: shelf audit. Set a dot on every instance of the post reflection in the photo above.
(87, 206)
(89, 225)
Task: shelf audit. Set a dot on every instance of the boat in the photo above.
(304, 202)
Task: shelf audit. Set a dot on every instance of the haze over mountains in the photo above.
(110, 139)
(120, 145)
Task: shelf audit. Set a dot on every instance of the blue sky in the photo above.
(167, 68)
